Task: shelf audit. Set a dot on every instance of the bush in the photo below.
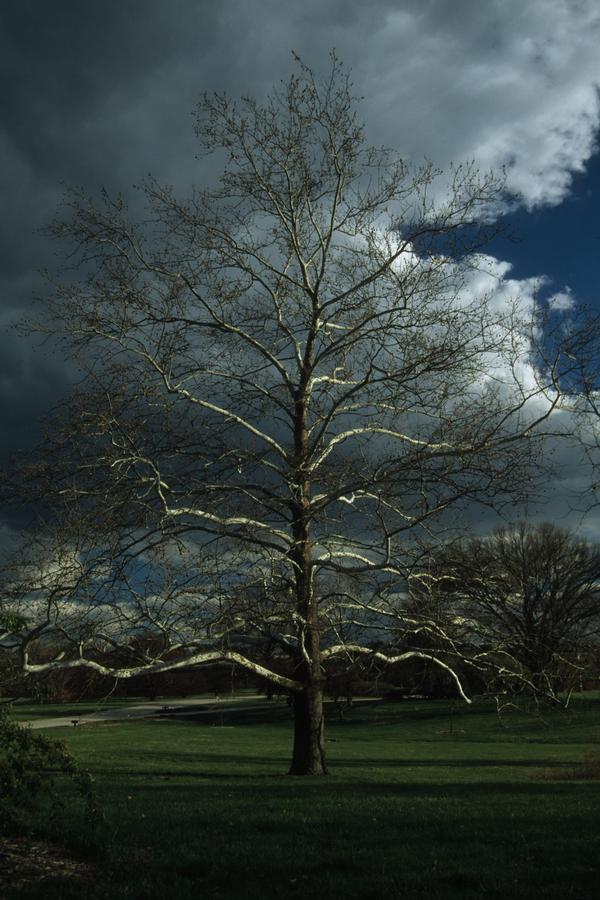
(29, 763)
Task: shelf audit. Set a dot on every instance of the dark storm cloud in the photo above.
(72, 78)
(74, 69)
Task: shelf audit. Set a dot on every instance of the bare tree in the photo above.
(290, 379)
(529, 597)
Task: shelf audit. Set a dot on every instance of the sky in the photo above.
(101, 93)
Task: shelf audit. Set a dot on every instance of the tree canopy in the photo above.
(531, 594)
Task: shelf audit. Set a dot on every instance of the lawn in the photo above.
(424, 800)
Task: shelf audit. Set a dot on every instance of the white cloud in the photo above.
(507, 84)
(562, 301)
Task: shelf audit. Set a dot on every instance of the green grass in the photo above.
(421, 802)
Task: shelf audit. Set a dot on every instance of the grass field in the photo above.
(424, 800)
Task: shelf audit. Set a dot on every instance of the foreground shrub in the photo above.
(29, 764)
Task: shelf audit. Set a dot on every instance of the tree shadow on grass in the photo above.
(265, 829)
(336, 762)
(250, 716)
(470, 763)
(278, 785)
(244, 766)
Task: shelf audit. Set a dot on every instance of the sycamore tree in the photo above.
(288, 381)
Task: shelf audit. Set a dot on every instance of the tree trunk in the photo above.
(309, 740)
(309, 743)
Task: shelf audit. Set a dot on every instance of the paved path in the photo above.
(155, 709)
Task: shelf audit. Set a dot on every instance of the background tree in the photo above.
(290, 379)
(531, 594)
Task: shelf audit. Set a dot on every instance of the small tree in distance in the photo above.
(531, 594)
(290, 379)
